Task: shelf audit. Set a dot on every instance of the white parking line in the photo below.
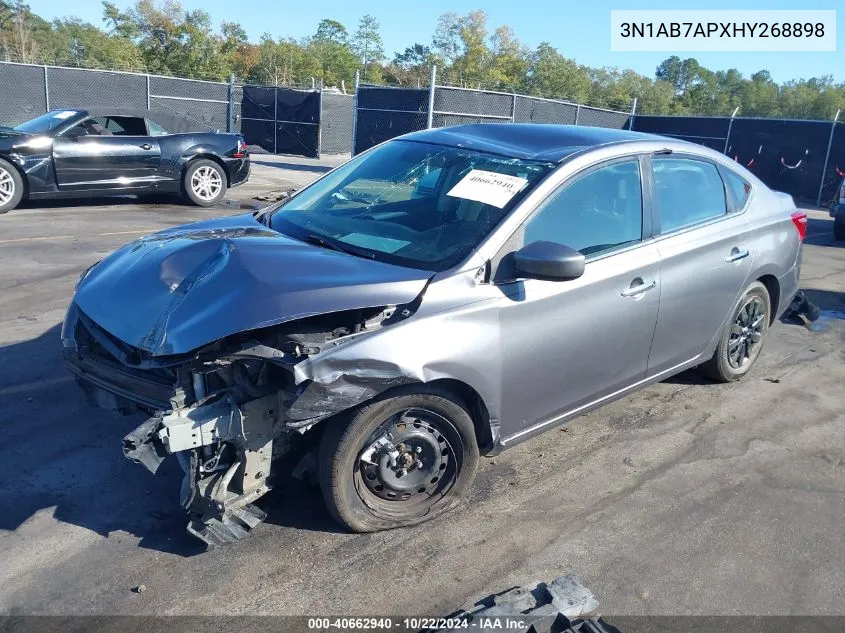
(70, 237)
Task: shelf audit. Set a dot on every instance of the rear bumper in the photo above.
(238, 169)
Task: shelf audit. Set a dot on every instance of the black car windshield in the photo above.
(46, 122)
(409, 203)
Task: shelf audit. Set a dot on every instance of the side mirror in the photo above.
(548, 260)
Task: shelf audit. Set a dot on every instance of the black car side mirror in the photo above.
(548, 260)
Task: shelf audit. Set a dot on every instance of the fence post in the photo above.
(355, 109)
(827, 157)
(730, 125)
(230, 119)
(46, 90)
(430, 121)
(320, 122)
(275, 115)
(633, 112)
(577, 112)
(513, 108)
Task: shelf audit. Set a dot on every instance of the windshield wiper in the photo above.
(334, 245)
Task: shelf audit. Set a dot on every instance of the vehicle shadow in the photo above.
(316, 169)
(152, 201)
(67, 460)
(111, 201)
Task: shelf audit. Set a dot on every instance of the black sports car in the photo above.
(86, 152)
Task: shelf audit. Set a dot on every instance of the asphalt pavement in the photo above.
(686, 498)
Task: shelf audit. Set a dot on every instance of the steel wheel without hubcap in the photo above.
(7, 187)
(409, 460)
(747, 333)
(398, 460)
(206, 183)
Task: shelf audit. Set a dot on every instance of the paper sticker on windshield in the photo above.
(488, 187)
(66, 114)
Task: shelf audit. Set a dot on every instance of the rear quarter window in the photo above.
(738, 187)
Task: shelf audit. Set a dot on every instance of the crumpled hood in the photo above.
(180, 289)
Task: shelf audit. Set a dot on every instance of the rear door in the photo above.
(107, 153)
(706, 253)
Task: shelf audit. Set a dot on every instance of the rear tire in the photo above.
(427, 471)
(11, 187)
(743, 337)
(839, 229)
(204, 182)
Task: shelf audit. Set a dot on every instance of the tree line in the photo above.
(164, 38)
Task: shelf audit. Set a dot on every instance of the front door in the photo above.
(566, 344)
(100, 153)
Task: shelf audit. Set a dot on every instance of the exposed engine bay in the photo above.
(226, 411)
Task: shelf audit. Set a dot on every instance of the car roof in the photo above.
(528, 140)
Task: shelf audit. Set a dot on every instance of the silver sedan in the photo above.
(442, 296)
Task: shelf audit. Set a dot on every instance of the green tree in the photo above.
(412, 67)
(553, 76)
(329, 48)
(367, 44)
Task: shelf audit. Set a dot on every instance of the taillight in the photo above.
(240, 152)
(799, 219)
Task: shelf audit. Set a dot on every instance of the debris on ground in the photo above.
(561, 605)
(802, 307)
(139, 589)
(277, 195)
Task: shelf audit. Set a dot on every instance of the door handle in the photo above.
(146, 146)
(643, 286)
(736, 255)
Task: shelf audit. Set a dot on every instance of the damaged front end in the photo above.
(226, 411)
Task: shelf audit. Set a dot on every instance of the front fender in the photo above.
(460, 345)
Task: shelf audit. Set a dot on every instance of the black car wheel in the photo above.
(204, 182)
(839, 229)
(11, 187)
(397, 461)
(742, 340)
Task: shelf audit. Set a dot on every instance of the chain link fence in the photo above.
(383, 112)
(805, 159)
(310, 121)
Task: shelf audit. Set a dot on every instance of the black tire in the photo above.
(11, 187)
(839, 229)
(743, 337)
(204, 182)
(434, 424)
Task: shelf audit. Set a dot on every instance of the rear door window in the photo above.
(688, 192)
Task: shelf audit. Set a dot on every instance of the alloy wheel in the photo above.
(746, 332)
(7, 186)
(206, 183)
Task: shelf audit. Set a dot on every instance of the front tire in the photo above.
(204, 182)
(11, 187)
(742, 340)
(397, 461)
